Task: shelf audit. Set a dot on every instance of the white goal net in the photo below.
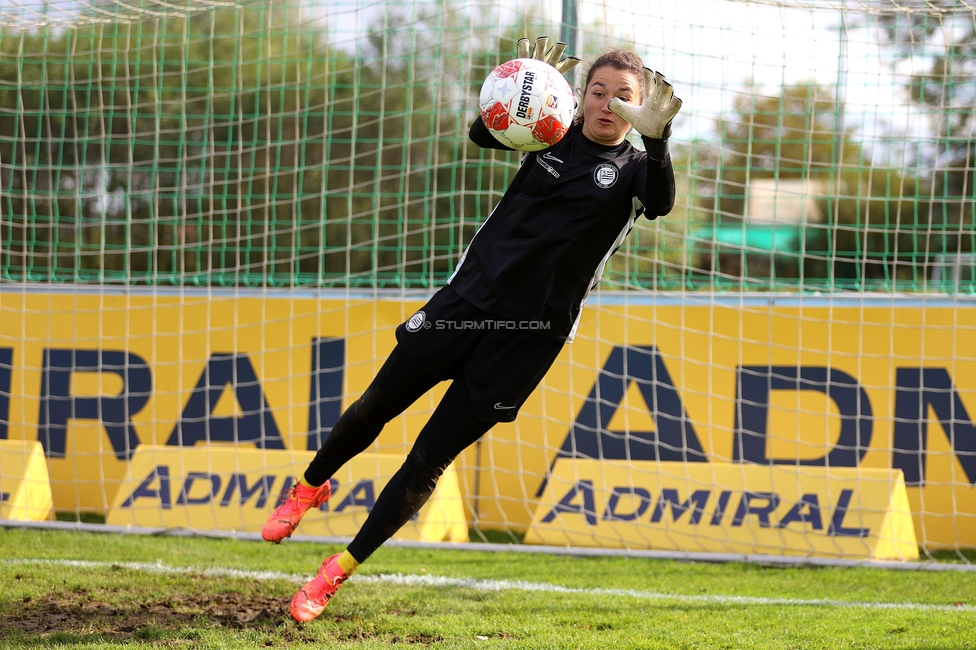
(213, 215)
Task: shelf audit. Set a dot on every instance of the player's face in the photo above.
(600, 124)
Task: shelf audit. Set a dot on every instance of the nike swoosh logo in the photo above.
(548, 156)
(501, 407)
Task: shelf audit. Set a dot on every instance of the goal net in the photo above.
(214, 214)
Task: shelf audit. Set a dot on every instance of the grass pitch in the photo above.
(65, 589)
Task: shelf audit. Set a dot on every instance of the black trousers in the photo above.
(492, 372)
(450, 430)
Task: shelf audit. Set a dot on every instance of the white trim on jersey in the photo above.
(598, 274)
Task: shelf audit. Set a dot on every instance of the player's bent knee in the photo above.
(423, 470)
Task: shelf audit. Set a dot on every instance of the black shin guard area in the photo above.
(448, 432)
(398, 384)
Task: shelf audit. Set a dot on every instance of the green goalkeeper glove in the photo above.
(550, 56)
(652, 118)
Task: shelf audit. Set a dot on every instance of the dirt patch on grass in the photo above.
(82, 612)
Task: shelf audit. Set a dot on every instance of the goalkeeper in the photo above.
(512, 303)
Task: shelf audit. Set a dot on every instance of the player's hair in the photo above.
(621, 60)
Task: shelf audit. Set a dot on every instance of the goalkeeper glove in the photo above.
(652, 118)
(550, 56)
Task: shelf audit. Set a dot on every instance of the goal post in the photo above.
(214, 214)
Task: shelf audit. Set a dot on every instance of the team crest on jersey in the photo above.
(605, 175)
(417, 321)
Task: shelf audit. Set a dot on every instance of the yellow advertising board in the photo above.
(235, 489)
(25, 487)
(93, 376)
(727, 508)
(868, 382)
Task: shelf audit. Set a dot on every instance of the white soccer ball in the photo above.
(527, 105)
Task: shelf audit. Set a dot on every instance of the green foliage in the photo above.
(247, 146)
(235, 146)
(939, 40)
(865, 229)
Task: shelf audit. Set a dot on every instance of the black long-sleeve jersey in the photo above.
(569, 207)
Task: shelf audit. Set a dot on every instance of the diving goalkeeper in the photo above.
(533, 262)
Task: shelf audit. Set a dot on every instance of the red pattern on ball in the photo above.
(548, 130)
(496, 117)
(509, 69)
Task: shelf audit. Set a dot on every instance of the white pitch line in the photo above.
(497, 585)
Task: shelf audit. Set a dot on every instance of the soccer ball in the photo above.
(527, 105)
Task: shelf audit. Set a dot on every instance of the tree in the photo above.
(942, 35)
(235, 146)
(239, 145)
(939, 38)
(145, 150)
(852, 239)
